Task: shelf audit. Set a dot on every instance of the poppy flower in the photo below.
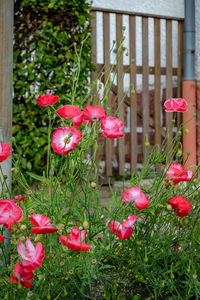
(71, 112)
(47, 99)
(20, 198)
(93, 113)
(4, 151)
(75, 240)
(9, 213)
(112, 127)
(20, 273)
(175, 104)
(65, 139)
(2, 237)
(124, 230)
(180, 205)
(136, 194)
(176, 173)
(43, 224)
(32, 257)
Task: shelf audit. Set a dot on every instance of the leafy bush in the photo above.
(48, 35)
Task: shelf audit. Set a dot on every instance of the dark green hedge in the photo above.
(46, 34)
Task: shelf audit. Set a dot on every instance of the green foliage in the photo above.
(48, 35)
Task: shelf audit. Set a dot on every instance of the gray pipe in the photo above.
(189, 41)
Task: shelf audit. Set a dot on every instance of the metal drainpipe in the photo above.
(189, 84)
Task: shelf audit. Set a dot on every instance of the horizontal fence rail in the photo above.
(139, 107)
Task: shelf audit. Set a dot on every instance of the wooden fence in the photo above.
(144, 107)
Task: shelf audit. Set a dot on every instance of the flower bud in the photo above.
(169, 207)
(85, 224)
(186, 131)
(93, 185)
(31, 211)
(23, 227)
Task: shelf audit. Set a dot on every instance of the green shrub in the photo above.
(48, 35)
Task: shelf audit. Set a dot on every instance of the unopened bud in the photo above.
(85, 224)
(169, 207)
(186, 131)
(93, 185)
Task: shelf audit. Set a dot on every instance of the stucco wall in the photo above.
(161, 7)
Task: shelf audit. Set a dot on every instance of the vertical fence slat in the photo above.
(169, 93)
(180, 66)
(133, 100)
(145, 82)
(157, 104)
(121, 141)
(94, 51)
(106, 39)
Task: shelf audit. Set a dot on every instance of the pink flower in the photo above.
(75, 240)
(175, 104)
(136, 194)
(180, 205)
(22, 275)
(32, 257)
(65, 139)
(176, 173)
(43, 224)
(71, 112)
(2, 237)
(124, 230)
(9, 213)
(112, 127)
(4, 151)
(47, 99)
(93, 113)
(20, 198)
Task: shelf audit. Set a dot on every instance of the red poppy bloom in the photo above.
(71, 112)
(43, 224)
(75, 240)
(4, 151)
(20, 198)
(32, 257)
(9, 213)
(65, 139)
(136, 194)
(180, 205)
(175, 104)
(47, 99)
(112, 127)
(93, 113)
(124, 230)
(22, 275)
(2, 237)
(176, 173)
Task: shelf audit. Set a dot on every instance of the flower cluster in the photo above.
(64, 140)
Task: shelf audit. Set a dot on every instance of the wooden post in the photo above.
(6, 70)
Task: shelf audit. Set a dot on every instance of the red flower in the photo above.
(176, 173)
(47, 99)
(71, 112)
(2, 237)
(112, 127)
(20, 198)
(124, 230)
(93, 113)
(9, 213)
(136, 194)
(180, 205)
(32, 257)
(75, 240)
(20, 273)
(43, 224)
(175, 104)
(65, 139)
(4, 151)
